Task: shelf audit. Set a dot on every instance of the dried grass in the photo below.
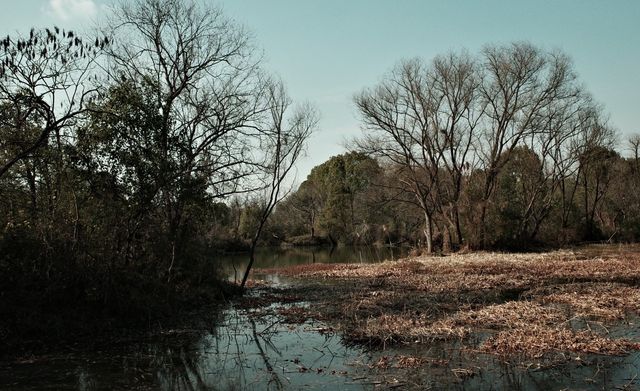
(537, 341)
(294, 315)
(524, 300)
(387, 329)
(510, 315)
(410, 361)
(603, 301)
(402, 361)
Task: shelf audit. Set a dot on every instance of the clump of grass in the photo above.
(400, 361)
(389, 329)
(510, 315)
(411, 327)
(535, 342)
(602, 301)
(410, 361)
(294, 314)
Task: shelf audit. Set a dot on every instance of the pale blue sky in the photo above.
(327, 50)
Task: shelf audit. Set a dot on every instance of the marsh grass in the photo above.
(530, 305)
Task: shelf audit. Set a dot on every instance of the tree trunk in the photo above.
(456, 220)
(31, 181)
(332, 240)
(427, 232)
(446, 239)
(252, 257)
(482, 237)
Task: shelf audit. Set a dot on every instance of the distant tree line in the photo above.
(500, 150)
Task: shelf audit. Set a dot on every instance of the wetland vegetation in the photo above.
(477, 234)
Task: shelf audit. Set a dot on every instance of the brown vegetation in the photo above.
(508, 304)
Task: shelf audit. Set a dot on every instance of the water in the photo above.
(248, 350)
(242, 350)
(253, 348)
(241, 353)
(234, 265)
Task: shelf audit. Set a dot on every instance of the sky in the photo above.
(328, 50)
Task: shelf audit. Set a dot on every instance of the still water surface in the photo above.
(273, 257)
(242, 350)
(243, 353)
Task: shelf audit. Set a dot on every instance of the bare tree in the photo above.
(454, 115)
(520, 84)
(212, 96)
(287, 134)
(634, 144)
(597, 160)
(459, 118)
(396, 122)
(423, 118)
(558, 143)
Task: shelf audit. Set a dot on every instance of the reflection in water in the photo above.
(255, 350)
(242, 353)
(252, 351)
(270, 257)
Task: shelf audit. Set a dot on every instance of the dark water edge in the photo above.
(234, 264)
(125, 357)
(239, 354)
(254, 348)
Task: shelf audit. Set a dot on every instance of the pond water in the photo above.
(234, 264)
(240, 353)
(255, 349)
(247, 352)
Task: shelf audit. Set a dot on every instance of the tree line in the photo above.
(503, 149)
